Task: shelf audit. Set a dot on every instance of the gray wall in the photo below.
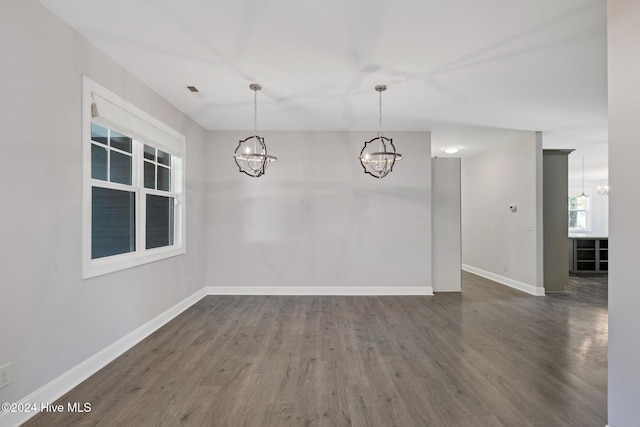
(492, 235)
(446, 224)
(556, 228)
(315, 212)
(52, 319)
(624, 151)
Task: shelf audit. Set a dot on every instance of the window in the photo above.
(159, 216)
(133, 185)
(578, 213)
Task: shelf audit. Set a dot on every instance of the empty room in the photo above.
(339, 213)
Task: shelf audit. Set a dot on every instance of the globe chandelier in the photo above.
(379, 155)
(251, 153)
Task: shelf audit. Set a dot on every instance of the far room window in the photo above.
(133, 179)
(578, 214)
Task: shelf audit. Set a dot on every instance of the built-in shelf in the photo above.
(588, 254)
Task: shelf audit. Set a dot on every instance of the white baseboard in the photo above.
(319, 290)
(512, 283)
(56, 388)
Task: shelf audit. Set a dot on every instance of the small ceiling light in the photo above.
(583, 195)
(452, 149)
(378, 159)
(251, 153)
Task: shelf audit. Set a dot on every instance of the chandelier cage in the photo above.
(251, 153)
(379, 155)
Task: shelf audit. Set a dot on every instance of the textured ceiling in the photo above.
(450, 66)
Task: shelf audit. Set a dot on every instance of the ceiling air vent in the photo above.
(195, 92)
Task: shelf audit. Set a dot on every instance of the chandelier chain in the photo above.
(583, 175)
(255, 112)
(380, 113)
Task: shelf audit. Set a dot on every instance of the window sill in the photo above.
(99, 267)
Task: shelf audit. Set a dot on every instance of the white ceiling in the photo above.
(454, 67)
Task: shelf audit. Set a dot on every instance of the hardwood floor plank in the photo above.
(491, 356)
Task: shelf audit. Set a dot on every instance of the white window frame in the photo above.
(121, 116)
(573, 192)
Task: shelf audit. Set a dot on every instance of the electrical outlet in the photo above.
(504, 266)
(5, 375)
(336, 274)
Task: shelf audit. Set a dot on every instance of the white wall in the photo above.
(624, 151)
(492, 235)
(599, 205)
(52, 319)
(315, 213)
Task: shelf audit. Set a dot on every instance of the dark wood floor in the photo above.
(491, 356)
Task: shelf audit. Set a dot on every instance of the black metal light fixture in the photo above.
(379, 155)
(251, 154)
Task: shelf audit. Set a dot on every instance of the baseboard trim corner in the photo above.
(61, 385)
(512, 283)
